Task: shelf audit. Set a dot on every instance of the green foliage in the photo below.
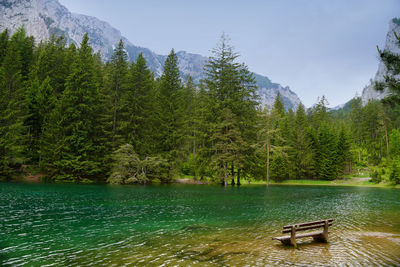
(395, 143)
(15, 63)
(72, 150)
(140, 107)
(394, 175)
(129, 168)
(376, 176)
(231, 109)
(171, 115)
(302, 154)
(81, 120)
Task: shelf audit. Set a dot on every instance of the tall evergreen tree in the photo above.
(115, 86)
(356, 118)
(279, 159)
(231, 87)
(140, 106)
(4, 39)
(171, 114)
(326, 156)
(71, 144)
(303, 155)
(343, 152)
(12, 109)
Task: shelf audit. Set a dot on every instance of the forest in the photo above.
(74, 118)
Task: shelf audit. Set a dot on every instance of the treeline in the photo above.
(82, 120)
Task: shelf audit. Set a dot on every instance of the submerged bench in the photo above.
(321, 236)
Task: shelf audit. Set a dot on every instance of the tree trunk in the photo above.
(233, 174)
(387, 140)
(115, 115)
(238, 177)
(268, 163)
(359, 151)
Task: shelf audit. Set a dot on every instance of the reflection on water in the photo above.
(194, 225)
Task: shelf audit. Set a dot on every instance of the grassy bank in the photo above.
(349, 181)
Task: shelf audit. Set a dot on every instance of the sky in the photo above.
(316, 47)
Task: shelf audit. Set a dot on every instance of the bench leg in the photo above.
(324, 236)
(293, 236)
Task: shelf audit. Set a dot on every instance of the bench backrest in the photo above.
(306, 226)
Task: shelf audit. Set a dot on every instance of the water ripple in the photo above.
(194, 225)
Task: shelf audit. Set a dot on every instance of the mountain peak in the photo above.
(391, 45)
(43, 18)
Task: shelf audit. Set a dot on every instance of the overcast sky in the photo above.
(316, 47)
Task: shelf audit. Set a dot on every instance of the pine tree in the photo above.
(171, 114)
(356, 118)
(4, 39)
(343, 151)
(12, 108)
(139, 99)
(54, 61)
(231, 86)
(326, 163)
(280, 158)
(115, 86)
(71, 143)
(228, 145)
(303, 155)
(41, 100)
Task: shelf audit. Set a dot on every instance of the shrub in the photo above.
(376, 176)
(395, 173)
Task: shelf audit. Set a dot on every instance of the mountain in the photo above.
(390, 45)
(43, 18)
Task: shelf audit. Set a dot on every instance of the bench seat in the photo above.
(294, 230)
(313, 234)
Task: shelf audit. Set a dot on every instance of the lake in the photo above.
(44, 224)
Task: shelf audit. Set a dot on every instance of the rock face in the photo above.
(43, 18)
(391, 45)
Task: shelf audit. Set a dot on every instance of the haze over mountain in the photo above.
(43, 18)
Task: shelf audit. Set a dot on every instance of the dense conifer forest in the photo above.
(74, 118)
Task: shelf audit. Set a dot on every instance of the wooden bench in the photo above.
(321, 236)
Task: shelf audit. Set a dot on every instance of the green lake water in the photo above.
(181, 225)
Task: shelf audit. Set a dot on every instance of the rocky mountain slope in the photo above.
(390, 45)
(43, 18)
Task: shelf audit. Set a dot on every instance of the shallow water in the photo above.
(194, 225)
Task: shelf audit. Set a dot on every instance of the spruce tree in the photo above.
(280, 158)
(71, 143)
(139, 99)
(356, 119)
(326, 163)
(4, 39)
(41, 99)
(231, 86)
(171, 115)
(303, 155)
(114, 92)
(343, 152)
(12, 107)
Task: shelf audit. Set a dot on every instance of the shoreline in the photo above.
(354, 181)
